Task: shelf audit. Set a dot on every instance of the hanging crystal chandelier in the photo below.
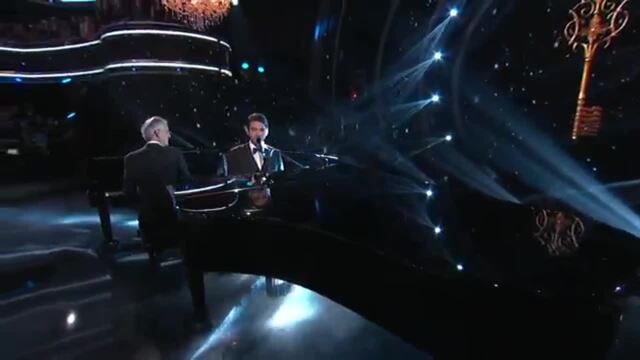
(198, 14)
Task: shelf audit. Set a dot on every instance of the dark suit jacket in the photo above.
(149, 174)
(239, 161)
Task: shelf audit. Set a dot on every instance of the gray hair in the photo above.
(152, 124)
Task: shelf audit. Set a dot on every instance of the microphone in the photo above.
(260, 145)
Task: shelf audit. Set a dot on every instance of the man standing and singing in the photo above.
(254, 157)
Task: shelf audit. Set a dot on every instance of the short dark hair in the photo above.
(259, 118)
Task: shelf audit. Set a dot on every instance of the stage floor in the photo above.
(62, 300)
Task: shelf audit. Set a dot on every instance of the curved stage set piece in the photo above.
(340, 231)
(118, 48)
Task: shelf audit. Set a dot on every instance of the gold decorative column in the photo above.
(594, 24)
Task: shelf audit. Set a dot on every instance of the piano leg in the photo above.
(105, 223)
(195, 278)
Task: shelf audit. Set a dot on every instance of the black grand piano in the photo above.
(463, 276)
(454, 271)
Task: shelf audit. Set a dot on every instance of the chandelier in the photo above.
(198, 14)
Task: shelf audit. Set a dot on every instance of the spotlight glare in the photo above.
(437, 230)
(261, 69)
(435, 98)
(448, 137)
(453, 12)
(71, 318)
(245, 65)
(460, 267)
(235, 2)
(437, 56)
(71, 115)
(429, 193)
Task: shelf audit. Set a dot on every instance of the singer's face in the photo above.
(257, 130)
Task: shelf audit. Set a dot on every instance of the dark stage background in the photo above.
(324, 61)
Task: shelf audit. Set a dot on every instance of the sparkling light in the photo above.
(453, 12)
(448, 137)
(245, 65)
(435, 98)
(437, 56)
(460, 267)
(429, 193)
(71, 318)
(437, 230)
(261, 69)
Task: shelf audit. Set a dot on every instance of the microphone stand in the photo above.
(261, 176)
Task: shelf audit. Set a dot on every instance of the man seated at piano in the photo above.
(254, 158)
(150, 175)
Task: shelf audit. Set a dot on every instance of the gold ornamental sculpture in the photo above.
(558, 232)
(594, 24)
(198, 14)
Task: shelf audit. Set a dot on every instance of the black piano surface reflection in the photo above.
(482, 287)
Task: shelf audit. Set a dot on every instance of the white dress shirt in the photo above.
(257, 156)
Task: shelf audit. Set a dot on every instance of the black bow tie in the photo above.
(256, 150)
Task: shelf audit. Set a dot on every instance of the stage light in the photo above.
(235, 2)
(245, 66)
(437, 230)
(66, 80)
(163, 32)
(117, 33)
(299, 305)
(435, 98)
(71, 319)
(429, 193)
(71, 115)
(135, 64)
(132, 223)
(618, 289)
(460, 267)
(448, 137)
(261, 69)
(453, 12)
(437, 56)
